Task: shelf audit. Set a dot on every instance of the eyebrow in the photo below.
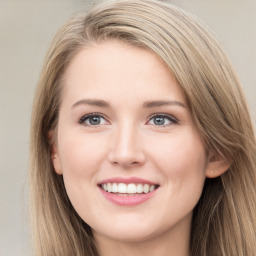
(160, 103)
(91, 102)
(147, 104)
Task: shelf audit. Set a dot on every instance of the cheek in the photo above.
(78, 154)
(81, 157)
(180, 152)
(182, 161)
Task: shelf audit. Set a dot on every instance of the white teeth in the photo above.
(114, 188)
(122, 188)
(146, 188)
(152, 187)
(130, 189)
(139, 189)
(109, 186)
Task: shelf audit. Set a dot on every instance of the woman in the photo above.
(141, 140)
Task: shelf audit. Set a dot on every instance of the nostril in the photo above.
(126, 160)
(126, 149)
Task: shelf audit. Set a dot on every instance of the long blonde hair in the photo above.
(224, 220)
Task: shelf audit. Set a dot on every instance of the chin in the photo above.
(130, 236)
(138, 232)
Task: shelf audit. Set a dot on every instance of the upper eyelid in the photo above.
(163, 115)
(173, 120)
(84, 117)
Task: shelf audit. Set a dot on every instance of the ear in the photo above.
(54, 153)
(217, 165)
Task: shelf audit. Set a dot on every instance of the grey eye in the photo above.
(93, 120)
(161, 120)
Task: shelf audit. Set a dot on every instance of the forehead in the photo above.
(114, 68)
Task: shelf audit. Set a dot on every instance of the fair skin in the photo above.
(139, 127)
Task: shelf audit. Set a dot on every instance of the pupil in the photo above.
(94, 120)
(159, 121)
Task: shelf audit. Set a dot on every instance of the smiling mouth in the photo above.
(131, 189)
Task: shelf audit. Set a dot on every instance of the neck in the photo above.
(172, 242)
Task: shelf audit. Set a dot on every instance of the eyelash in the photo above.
(84, 118)
(171, 119)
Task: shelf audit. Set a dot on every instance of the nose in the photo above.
(126, 147)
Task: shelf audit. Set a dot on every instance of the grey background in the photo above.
(26, 29)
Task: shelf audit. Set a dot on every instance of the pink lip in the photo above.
(127, 200)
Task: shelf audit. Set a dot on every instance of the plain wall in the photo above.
(26, 29)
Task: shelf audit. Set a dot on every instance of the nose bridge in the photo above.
(126, 149)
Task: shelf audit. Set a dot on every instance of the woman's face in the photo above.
(124, 126)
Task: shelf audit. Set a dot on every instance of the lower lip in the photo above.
(127, 200)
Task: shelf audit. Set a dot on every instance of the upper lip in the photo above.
(129, 180)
